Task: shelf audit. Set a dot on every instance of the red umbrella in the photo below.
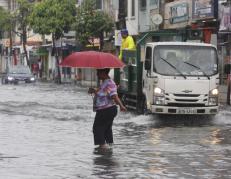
(92, 59)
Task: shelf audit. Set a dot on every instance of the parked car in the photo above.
(15, 74)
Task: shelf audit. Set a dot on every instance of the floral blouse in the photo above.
(103, 96)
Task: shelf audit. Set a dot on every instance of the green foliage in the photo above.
(53, 17)
(91, 23)
(5, 20)
(22, 14)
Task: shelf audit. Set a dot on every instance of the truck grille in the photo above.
(186, 105)
(187, 95)
(186, 100)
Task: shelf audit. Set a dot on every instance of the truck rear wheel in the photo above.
(146, 111)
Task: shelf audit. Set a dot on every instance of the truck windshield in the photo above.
(189, 60)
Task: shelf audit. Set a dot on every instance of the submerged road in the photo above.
(46, 133)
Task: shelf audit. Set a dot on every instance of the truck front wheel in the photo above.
(143, 107)
(123, 99)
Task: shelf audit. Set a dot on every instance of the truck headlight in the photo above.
(214, 92)
(159, 97)
(10, 78)
(158, 92)
(213, 97)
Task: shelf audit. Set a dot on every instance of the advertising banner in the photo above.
(203, 9)
(225, 19)
(118, 38)
(179, 13)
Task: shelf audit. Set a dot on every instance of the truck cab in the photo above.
(180, 78)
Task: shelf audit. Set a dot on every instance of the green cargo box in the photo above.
(127, 77)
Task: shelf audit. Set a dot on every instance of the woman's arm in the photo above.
(118, 102)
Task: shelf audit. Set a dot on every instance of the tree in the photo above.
(5, 17)
(53, 17)
(91, 23)
(6, 24)
(21, 17)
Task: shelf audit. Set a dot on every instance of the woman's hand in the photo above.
(118, 102)
(91, 90)
(123, 108)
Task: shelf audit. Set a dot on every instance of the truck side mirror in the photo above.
(227, 68)
(147, 64)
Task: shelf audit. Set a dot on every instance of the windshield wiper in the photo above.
(198, 69)
(174, 67)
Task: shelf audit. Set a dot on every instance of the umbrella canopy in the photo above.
(92, 59)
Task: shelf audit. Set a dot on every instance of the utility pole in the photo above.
(121, 24)
(228, 48)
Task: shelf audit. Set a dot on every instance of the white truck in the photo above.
(177, 78)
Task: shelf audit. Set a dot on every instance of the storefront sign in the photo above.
(118, 38)
(203, 9)
(179, 13)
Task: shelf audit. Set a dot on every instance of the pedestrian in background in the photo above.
(127, 42)
(104, 103)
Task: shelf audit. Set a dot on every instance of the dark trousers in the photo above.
(102, 127)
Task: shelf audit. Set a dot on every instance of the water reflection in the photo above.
(156, 135)
(218, 136)
(182, 121)
(215, 139)
(104, 163)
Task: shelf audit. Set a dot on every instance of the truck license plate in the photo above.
(187, 111)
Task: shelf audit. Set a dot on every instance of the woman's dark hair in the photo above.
(105, 70)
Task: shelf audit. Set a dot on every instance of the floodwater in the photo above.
(46, 133)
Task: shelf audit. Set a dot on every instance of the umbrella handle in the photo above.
(91, 78)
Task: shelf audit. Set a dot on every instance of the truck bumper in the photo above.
(210, 110)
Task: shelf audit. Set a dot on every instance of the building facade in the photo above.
(196, 20)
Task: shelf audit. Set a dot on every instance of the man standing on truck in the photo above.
(127, 43)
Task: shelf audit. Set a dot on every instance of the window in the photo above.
(154, 3)
(126, 8)
(123, 9)
(143, 4)
(133, 8)
(98, 4)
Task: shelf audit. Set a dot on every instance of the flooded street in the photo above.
(46, 133)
